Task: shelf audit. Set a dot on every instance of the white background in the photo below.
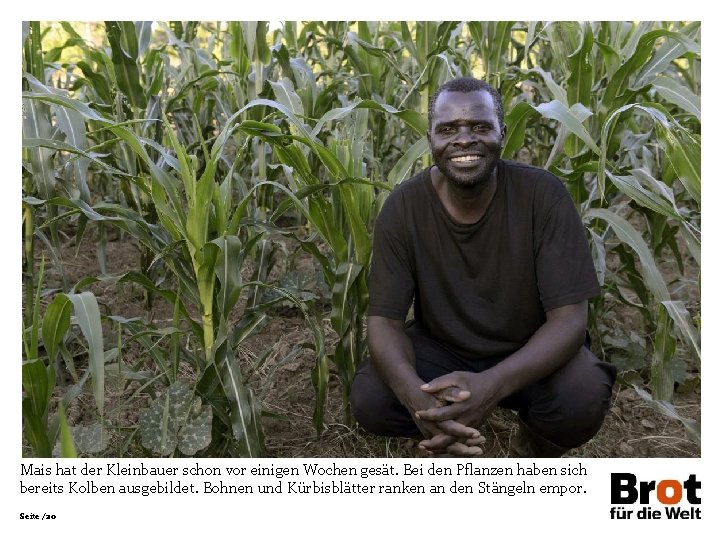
(345, 516)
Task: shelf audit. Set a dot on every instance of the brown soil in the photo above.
(631, 429)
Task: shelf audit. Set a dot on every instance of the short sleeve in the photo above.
(392, 285)
(563, 262)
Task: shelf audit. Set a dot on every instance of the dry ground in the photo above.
(631, 429)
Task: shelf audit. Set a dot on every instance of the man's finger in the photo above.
(422, 452)
(476, 441)
(461, 449)
(438, 443)
(440, 414)
(452, 394)
(457, 429)
(444, 381)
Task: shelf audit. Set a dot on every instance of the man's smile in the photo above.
(465, 159)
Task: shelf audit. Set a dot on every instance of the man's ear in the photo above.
(503, 132)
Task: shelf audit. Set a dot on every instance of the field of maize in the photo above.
(198, 202)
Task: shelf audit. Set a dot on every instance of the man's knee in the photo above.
(575, 401)
(363, 405)
(375, 406)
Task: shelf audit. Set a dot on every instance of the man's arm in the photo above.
(393, 356)
(553, 345)
(550, 348)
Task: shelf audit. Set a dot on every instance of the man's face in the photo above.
(465, 137)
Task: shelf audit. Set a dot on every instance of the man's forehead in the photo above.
(476, 97)
(453, 106)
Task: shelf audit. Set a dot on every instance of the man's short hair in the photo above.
(468, 84)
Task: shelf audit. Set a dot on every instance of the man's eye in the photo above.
(446, 129)
(481, 128)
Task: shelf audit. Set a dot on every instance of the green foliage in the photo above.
(176, 420)
(208, 143)
(39, 374)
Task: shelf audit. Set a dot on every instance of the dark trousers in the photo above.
(567, 407)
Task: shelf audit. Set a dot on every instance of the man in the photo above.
(494, 256)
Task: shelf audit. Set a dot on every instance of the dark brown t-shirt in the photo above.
(482, 289)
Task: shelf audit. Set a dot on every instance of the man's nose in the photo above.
(465, 137)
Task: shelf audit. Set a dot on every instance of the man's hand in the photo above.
(393, 355)
(554, 343)
(445, 432)
(468, 399)
(446, 436)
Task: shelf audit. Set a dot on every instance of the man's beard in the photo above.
(473, 177)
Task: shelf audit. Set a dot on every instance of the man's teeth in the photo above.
(465, 158)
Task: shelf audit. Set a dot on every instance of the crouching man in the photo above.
(494, 257)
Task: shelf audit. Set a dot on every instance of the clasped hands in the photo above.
(449, 410)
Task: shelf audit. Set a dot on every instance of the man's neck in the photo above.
(465, 205)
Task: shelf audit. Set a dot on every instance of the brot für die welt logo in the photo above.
(679, 499)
